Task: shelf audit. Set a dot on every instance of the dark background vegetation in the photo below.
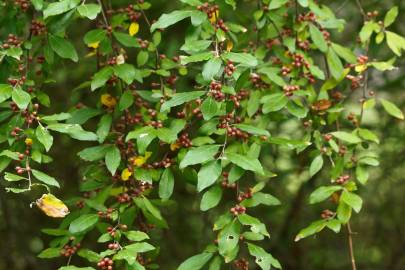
(379, 241)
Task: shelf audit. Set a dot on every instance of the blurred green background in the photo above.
(379, 239)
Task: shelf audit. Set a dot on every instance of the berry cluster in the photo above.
(143, 43)
(341, 180)
(237, 210)
(245, 195)
(352, 118)
(303, 44)
(105, 263)
(327, 214)
(37, 28)
(132, 13)
(12, 41)
(241, 264)
(166, 163)
(225, 183)
(257, 81)
(372, 14)
(184, 141)
(211, 10)
(155, 124)
(68, 250)
(307, 17)
(299, 60)
(229, 68)
(221, 25)
(107, 214)
(113, 246)
(290, 89)
(23, 4)
(355, 81)
(241, 95)
(285, 70)
(216, 91)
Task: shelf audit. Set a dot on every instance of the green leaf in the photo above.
(254, 103)
(322, 193)
(94, 36)
(395, 42)
(361, 174)
(196, 58)
(368, 135)
(55, 117)
(245, 162)
(103, 128)
(228, 239)
(273, 102)
(140, 247)
(346, 137)
(242, 58)
(49, 253)
(13, 177)
(390, 16)
(38, 4)
(21, 98)
(73, 130)
(209, 108)
(101, 77)
(93, 153)
(392, 109)
(253, 130)
(312, 229)
(316, 165)
(126, 40)
(5, 92)
(142, 58)
(353, 200)
(166, 184)
(367, 30)
(126, 72)
(264, 259)
(90, 255)
(44, 178)
(89, 10)
(83, 223)
(71, 267)
(180, 98)
(211, 68)
(126, 100)
(136, 236)
(275, 4)
(199, 155)
(344, 53)
(211, 198)
(60, 7)
(272, 74)
(112, 159)
(208, 174)
(63, 47)
(335, 65)
(195, 262)
(169, 19)
(44, 137)
(344, 212)
(317, 38)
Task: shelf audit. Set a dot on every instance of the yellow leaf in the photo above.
(140, 160)
(133, 29)
(52, 206)
(108, 100)
(214, 17)
(28, 141)
(174, 146)
(94, 45)
(360, 68)
(126, 174)
(229, 45)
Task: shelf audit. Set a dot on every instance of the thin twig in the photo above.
(351, 251)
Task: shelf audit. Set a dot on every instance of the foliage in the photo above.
(206, 117)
